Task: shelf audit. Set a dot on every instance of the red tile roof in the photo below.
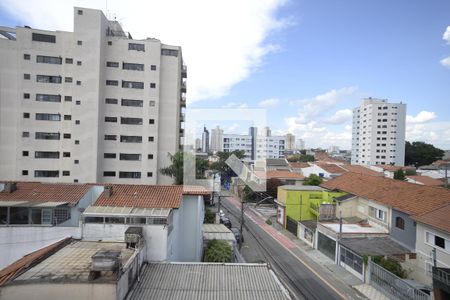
(148, 196)
(46, 192)
(20, 266)
(407, 197)
(394, 168)
(425, 180)
(299, 165)
(284, 174)
(331, 168)
(361, 170)
(438, 218)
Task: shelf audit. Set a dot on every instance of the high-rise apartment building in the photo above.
(216, 139)
(205, 140)
(92, 105)
(378, 136)
(290, 141)
(300, 144)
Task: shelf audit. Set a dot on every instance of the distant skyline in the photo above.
(308, 62)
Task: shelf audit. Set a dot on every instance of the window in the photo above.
(67, 117)
(68, 98)
(75, 180)
(69, 60)
(26, 76)
(130, 139)
(66, 154)
(132, 84)
(111, 101)
(400, 223)
(151, 139)
(437, 241)
(77, 122)
(149, 174)
(153, 67)
(131, 121)
(26, 56)
(46, 135)
(137, 47)
(24, 172)
(377, 213)
(78, 82)
(114, 220)
(169, 52)
(46, 173)
(109, 43)
(48, 98)
(79, 63)
(109, 174)
(61, 215)
(25, 134)
(111, 119)
(26, 115)
(152, 103)
(112, 82)
(26, 96)
(150, 156)
(110, 137)
(68, 79)
(78, 102)
(109, 155)
(152, 85)
(48, 117)
(46, 154)
(151, 121)
(80, 12)
(48, 79)
(18, 215)
(112, 64)
(77, 142)
(133, 67)
(79, 43)
(48, 59)
(25, 153)
(76, 161)
(135, 103)
(132, 175)
(128, 156)
(93, 220)
(47, 38)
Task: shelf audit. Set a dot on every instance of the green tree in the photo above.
(225, 171)
(210, 216)
(313, 179)
(218, 251)
(272, 186)
(421, 154)
(175, 170)
(399, 174)
(391, 265)
(248, 195)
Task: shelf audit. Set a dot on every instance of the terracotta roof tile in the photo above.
(299, 165)
(148, 196)
(45, 192)
(425, 180)
(284, 174)
(407, 197)
(331, 168)
(438, 218)
(361, 170)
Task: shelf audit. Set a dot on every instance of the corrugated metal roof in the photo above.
(127, 211)
(215, 228)
(198, 281)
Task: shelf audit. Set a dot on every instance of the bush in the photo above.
(268, 222)
(391, 265)
(210, 216)
(313, 179)
(218, 251)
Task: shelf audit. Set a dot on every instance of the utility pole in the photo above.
(242, 223)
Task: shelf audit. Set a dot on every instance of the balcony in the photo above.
(184, 72)
(183, 87)
(182, 117)
(183, 101)
(181, 132)
(441, 279)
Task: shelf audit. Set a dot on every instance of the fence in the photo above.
(393, 286)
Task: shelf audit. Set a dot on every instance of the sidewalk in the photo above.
(314, 259)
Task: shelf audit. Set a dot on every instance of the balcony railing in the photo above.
(184, 71)
(442, 275)
(183, 87)
(183, 101)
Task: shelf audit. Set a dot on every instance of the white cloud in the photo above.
(421, 117)
(341, 116)
(269, 103)
(446, 62)
(446, 35)
(313, 107)
(436, 133)
(223, 41)
(235, 105)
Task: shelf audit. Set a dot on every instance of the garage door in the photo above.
(326, 245)
(291, 225)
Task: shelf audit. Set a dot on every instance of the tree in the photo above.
(218, 251)
(313, 179)
(175, 170)
(210, 216)
(225, 171)
(272, 186)
(421, 154)
(391, 265)
(399, 174)
(248, 195)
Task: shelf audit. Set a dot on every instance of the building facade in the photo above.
(216, 139)
(88, 105)
(290, 141)
(378, 135)
(205, 140)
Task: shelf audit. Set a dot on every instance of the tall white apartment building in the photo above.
(216, 139)
(92, 105)
(378, 136)
(300, 144)
(290, 141)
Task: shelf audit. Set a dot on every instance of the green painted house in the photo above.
(301, 203)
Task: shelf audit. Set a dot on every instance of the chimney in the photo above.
(10, 187)
(108, 190)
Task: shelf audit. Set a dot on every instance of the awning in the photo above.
(12, 203)
(126, 211)
(31, 204)
(48, 204)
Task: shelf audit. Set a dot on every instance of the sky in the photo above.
(308, 63)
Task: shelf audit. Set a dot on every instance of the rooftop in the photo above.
(361, 170)
(353, 228)
(331, 168)
(299, 165)
(408, 197)
(302, 188)
(437, 218)
(192, 281)
(283, 175)
(217, 232)
(425, 180)
(374, 246)
(277, 162)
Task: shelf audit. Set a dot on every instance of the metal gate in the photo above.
(291, 225)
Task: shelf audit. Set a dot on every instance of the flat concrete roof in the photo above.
(302, 188)
(374, 246)
(217, 232)
(353, 228)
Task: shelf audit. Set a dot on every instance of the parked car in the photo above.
(237, 234)
(225, 221)
(221, 214)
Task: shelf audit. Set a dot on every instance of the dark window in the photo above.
(78, 82)
(152, 103)
(133, 67)
(78, 102)
(153, 67)
(93, 220)
(47, 135)
(69, 60)
(80, 12)
(48, 117)
(68, 79)
(112, 82)
(46, 154)
(26, 76)
(131, 121)
(109, 43)
(48, 98)
(440, 242)
(67, 117)
(169, 52)
(26, 96)
(110, 137)
(130, 139)
(76, 161)
(151, 121)
(48, 59)
(66, 154)
(18, 215)
(75, 180)
(26, 56)
(400, 223)
(26, 115)
(39, 37)
(150, 156)
(137, 47)
(68, 98)
(111, 101)
(151, 138)
(134, 175)
(79, 63)
(111, 119)
(114, 220)
(25, 134)
(77, 142)
(77, 122)
(135, 103)
(112, 64)
(149, 174)
(129, 156)
(65, 173)
(48, 79)
(109, 155)
(25, 153)
(79, 43)
(109, 174)
(24, 172)
(46, 173)
(152, 85)
(132, 84)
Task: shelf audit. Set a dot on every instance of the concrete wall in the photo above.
(359, 207)
(313, 169)
(406, 236)
(17, 241)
